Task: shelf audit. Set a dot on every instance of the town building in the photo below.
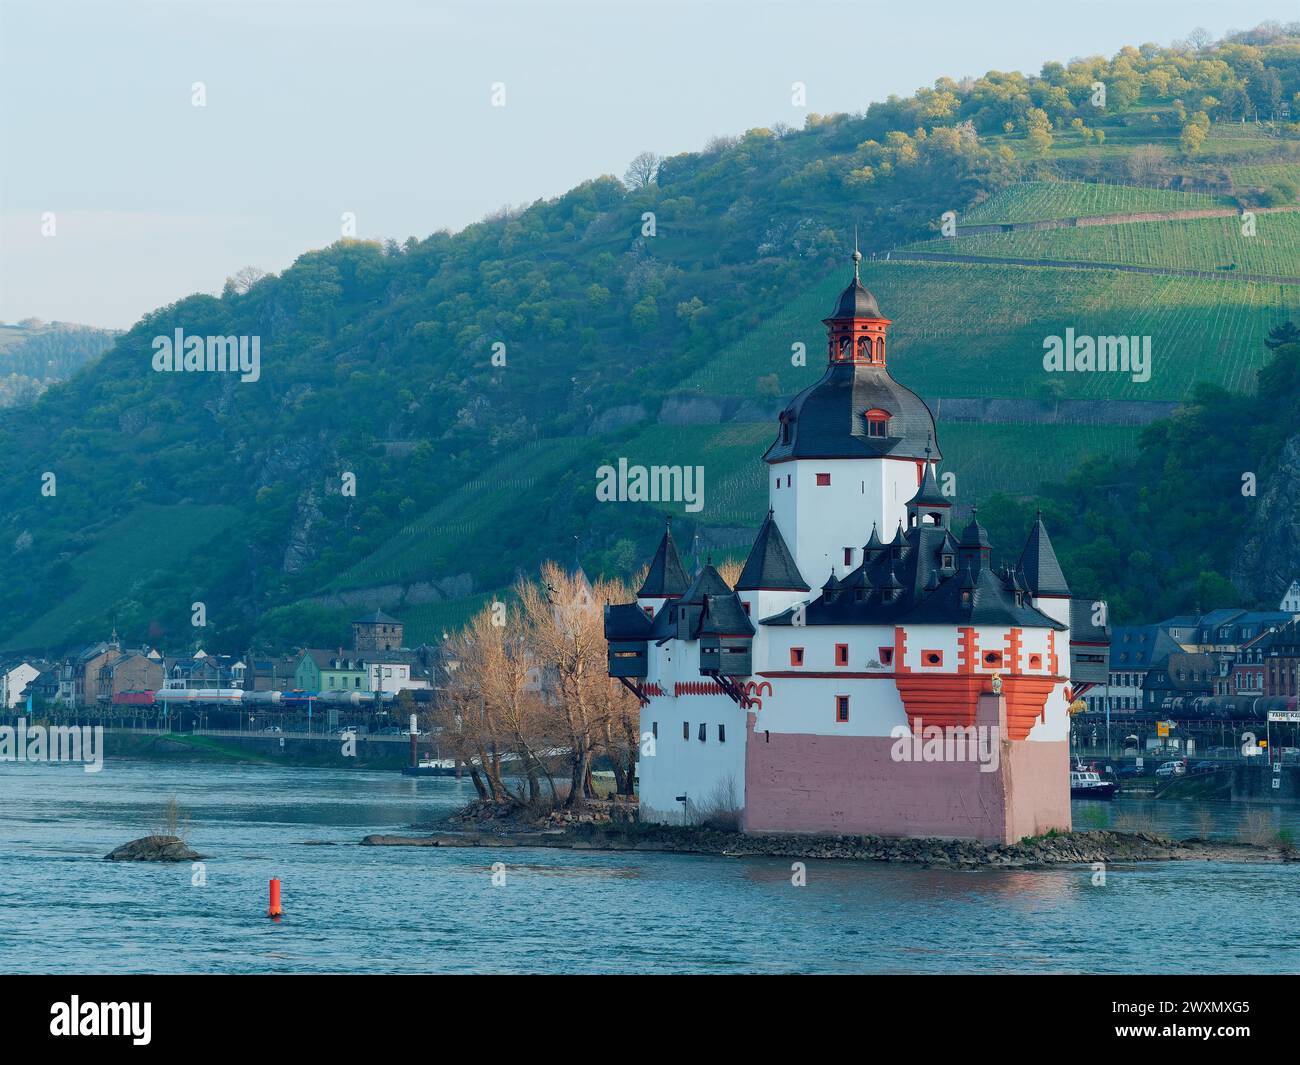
(327, 671)
(14, 678)
(1291, 600)
(862, 621)
(376, 633)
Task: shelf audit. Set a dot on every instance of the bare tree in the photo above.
(641, 171)
(243, 279)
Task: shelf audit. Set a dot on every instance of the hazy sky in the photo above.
(382, 108)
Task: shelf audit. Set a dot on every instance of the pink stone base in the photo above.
(850, 784)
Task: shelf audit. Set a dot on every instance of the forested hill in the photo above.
(652, 318)
(36, 354)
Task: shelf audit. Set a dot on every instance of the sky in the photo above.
(119, 195)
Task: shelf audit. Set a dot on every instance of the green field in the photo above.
(109, 573)
(1201, 329)
(1039, 201)
(1212, 244)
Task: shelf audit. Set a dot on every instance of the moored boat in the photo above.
(1086, 784)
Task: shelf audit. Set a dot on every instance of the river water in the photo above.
(361, 909)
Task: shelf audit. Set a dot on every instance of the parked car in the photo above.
(390, 730)
(1205, 767)
(1171, 769)
(273, 728)
(345, 729)
(1132, 771)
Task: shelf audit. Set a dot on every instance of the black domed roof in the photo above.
(828, 419)
(856, 301)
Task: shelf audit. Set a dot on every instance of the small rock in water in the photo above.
(153, 849)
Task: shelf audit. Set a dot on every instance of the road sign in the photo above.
(1162, 728)
(1284, 715)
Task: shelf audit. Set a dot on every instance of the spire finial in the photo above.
(857, 255)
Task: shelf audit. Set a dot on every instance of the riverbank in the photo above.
(1066, 848)
(324, 751)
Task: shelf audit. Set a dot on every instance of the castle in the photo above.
(870, 672)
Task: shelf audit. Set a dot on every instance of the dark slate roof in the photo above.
(1140, 646)
(770, 565)
(724, 615)
(377, 618)
(974, 535)
(906, 582)
(626, 621)
(666, 577)
(707, 582)
(827, 419)
(928, 495)
(1082, 630)
(1038, 565)
(856, 302)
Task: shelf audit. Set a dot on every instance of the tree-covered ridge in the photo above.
(377, 359)
(34, 355)
(1161, 531)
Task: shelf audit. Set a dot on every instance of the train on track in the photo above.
(236, 697)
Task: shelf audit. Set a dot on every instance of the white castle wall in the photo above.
(820, 521)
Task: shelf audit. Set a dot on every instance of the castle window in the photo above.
(796, 656)
(846, 347)
(932, 658)
(649, 611)
(746, 606)
(864, 348)
(686, 730)
(722, 733)
(704, 732)
(886, 656)
(1035, 661)
(841, 708)
(841, 654)
(877, 422)
(947, 562)
(993, 658)
(654, 729)
(823, 479)
(848, 556)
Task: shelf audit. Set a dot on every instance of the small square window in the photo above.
(686, 730)
(649, 611)
(841, 654)
(932, 659)
(823, 479)
(746, 606)
(886, 656)
(796, 656)
(841, 708)
(993, 658)
(1035, 661)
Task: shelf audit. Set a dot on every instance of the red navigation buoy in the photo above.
(274, 910)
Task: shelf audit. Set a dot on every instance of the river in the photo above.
(361, 909)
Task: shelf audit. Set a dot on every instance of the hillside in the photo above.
(671, 346)
(36, 354)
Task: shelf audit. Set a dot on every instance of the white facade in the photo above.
(14, 680)
(821, 521)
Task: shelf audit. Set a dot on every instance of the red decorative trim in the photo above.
(1013, 650)
(841, 654)
(900, 650)
(968, 650)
